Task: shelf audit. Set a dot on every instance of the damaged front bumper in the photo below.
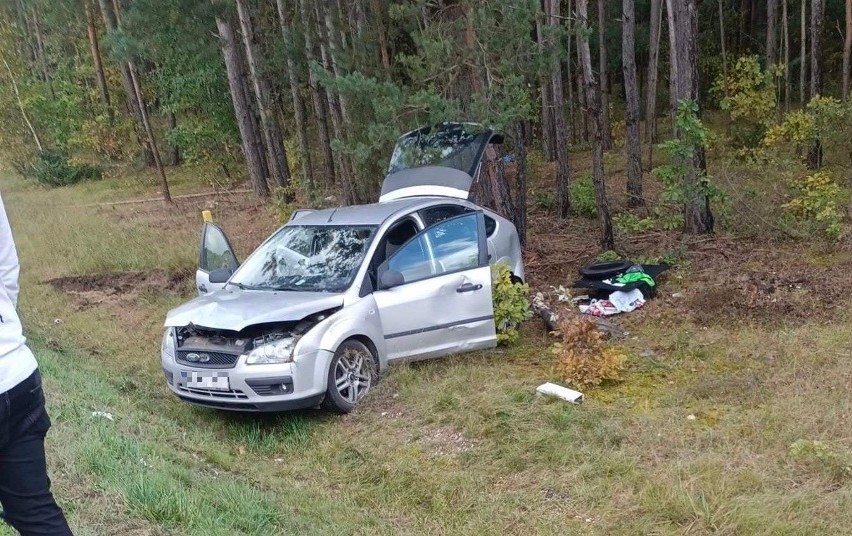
(252, 388)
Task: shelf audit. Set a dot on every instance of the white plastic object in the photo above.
(552, 389)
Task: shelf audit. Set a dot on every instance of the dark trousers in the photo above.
(24, 486)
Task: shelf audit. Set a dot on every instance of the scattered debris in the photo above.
(102, 415)
(691, 417)
(552, 389)
(677, 295)
(57, 320)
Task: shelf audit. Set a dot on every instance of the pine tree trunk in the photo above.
(242, 108)
(581, 98)
(572, 118)
(299, 110)
(631, 90)
(771, 33)
(607, 238)
(786, 34)
(603, 88)
(376, 8)
(724, 62)
(521, 135)
(548, 134)
(847, 49)
(274, 140)
(697, 217)
(803, 55)
(817, 21)
(318, 98)
(134, 106)
(563, 168)
(337, 105)
(653, 69)
(673, 67)
(152, 142)
(100, 77)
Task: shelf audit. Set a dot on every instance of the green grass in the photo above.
(455, 446)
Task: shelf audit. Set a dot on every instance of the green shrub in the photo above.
(582, 195)
(511, 306)
(835, 463)
(54, 168)
(818, 200)
(545, 201)
(608, 256)
(630, 223)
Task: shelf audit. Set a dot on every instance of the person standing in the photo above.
(28, 506)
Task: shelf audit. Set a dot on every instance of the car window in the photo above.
(216, 252)
(449, 246)
(433, 215)
(490, 225)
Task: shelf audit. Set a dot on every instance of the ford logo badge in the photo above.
(198, 358)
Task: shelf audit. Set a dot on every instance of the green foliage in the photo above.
(608, 256)
(582, 194)
(693, 136)
(630, 224)
(511, 306)
(53, 168)
(750, 99)
(545, 201)
(818, 199)
(834, 462)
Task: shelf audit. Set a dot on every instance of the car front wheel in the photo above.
(350, 376)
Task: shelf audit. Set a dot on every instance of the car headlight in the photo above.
(167, 347)
(280, 351)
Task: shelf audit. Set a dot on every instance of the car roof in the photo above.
(372, 214)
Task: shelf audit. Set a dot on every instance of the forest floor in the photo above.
(732, 418)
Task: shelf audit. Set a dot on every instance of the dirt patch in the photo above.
(444, 441)
(120, 288)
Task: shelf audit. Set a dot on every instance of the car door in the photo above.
(440, 299)
(217, 255)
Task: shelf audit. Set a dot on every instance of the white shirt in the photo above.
(17, 362)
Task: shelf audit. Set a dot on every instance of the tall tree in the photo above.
(548, 134)
(651, 78)
(42, 55)
(607, 239)
(603, 86)
(318, 98)
(771, 32)
(568, 76)
(724, 62)
(134, 105)
(803, 55)
(149, 131)
(697, 217)
(100, 76)
(242, 109)
(274, 140)
(26, 117)
(376, 8)
(673, 59)
(786, 35)
(563, 168)
(817, 21)
(631, 91)
(847, 49)
(299, 110)
(521, 132)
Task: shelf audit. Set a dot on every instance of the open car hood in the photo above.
(234, 309)
(442, 160)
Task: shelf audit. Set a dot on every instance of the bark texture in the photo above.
(653, 69)
(100, 77)
(603, 86)
(817, 21)
(633, 144)
(563, 169)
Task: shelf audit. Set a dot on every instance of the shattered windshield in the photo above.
(318, 258)
(453, 146)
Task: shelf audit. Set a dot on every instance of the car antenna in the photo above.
(333, 212)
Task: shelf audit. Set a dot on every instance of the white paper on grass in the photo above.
(552, 389)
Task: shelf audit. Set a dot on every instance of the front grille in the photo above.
(234, 394)
(217, 359)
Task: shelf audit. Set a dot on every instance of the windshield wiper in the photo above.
(243, 286)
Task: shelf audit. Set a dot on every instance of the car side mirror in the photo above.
(220, 275)
(390, 279)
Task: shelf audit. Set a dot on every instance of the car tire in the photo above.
(351, 374)
(604, 270)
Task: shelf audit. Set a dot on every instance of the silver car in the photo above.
(333, 297)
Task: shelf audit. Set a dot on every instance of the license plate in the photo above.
(215, 380)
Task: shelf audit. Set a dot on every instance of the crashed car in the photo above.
(333, 297)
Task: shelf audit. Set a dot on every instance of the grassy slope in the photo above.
(448, 447)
